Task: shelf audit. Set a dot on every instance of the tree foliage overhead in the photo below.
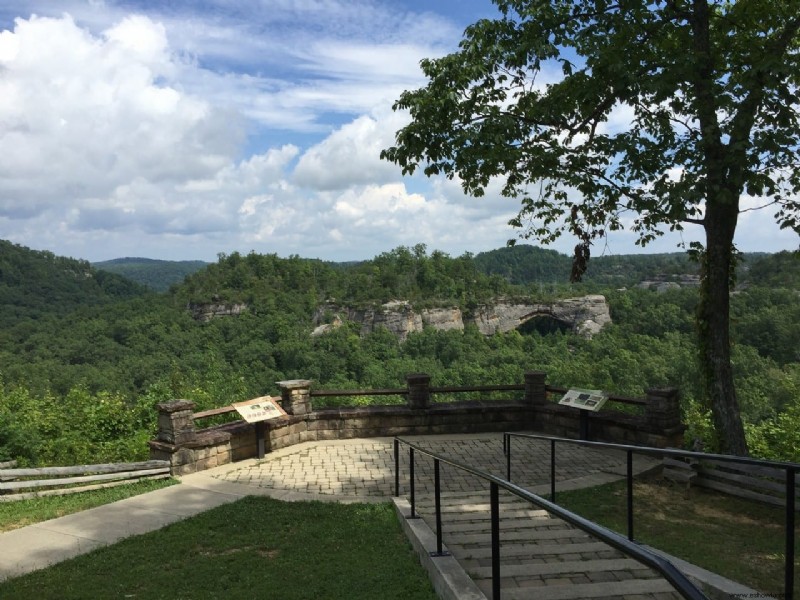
(709, 89)
(648, 114)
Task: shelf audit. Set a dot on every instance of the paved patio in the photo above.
(364, 468)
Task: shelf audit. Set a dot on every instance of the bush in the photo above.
(777, 438)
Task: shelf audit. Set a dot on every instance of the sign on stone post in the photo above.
(259, 410)
(592, 400)
(586, 401)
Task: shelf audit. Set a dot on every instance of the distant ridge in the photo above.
(34, 283)
(158, 275)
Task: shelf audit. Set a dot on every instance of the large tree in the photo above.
(604, 114)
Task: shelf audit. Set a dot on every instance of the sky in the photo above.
(180, 130)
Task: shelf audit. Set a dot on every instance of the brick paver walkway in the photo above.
(365, 467)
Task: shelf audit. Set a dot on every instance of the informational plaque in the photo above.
(584, 399)
(259, 409)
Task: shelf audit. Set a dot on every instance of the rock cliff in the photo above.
(206, 312)
(586, 315)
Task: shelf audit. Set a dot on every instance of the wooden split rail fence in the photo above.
(21, 484)
(762, 484)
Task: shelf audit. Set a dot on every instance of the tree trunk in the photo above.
(714, 325)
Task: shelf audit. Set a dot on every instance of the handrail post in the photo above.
(413, 514)
(396, 467)
(438, 502)
(788, 586)
(552, 470)
(507, 437)
(494, 500)
(630, 495)
(682, 584)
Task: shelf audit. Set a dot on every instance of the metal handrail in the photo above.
(790, 469)
(667, 570)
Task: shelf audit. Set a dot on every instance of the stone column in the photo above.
(663, 410)
(419, 390)
(296, 396)
(535, 388)
(175, 423)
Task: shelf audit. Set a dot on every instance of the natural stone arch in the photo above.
(586, 315)
(544, 322)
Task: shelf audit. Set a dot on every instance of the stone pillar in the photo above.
(419, 390)
(175, 423)
(296, 396)
(535, 388)
(663, 410)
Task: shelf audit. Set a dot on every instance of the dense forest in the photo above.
(158, 275)
(86, 354)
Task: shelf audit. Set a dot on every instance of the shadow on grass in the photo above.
(253, 548)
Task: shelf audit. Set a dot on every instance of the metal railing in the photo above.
(790, 469)
(456, 389)
(434, 389)
(665, 568)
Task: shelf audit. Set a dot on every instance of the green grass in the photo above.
(733, 537)
(251, 549)
(20, 513)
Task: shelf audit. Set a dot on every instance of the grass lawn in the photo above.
(733, 537)
(20, 513)
(254, 548)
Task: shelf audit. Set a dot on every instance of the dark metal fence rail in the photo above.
(790, 469)
(450, 389)
(666, 569)
(444, 389)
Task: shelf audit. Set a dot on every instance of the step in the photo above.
(571, 567)
(455, 513)
(531, 550)
(565, 536)
(460, 527)
(523, 515)
(641, 588)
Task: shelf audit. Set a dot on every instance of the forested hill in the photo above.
(33, 283)
(83, 350)
(158, 275)
(523, 264)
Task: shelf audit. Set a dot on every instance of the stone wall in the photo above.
(189, 449)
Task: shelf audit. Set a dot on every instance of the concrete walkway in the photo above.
(360, 470)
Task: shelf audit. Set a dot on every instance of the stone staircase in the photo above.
(541, 556)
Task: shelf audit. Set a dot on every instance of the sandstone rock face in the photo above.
(586, 315)
(663, 284)
(443, 318)
(206, 312)
(589, 314)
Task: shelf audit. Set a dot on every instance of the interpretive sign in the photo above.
(584, 399)
(259, 409)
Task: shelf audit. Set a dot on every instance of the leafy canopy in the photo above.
(622, 112)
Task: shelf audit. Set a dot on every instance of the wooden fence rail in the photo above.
(21, 484)
(762, 484)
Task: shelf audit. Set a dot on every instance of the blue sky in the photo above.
(182, 129)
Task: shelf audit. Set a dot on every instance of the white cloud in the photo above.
(188, 129)
(85, 114)
(351, 155)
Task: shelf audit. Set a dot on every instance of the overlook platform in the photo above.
(542, 557)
